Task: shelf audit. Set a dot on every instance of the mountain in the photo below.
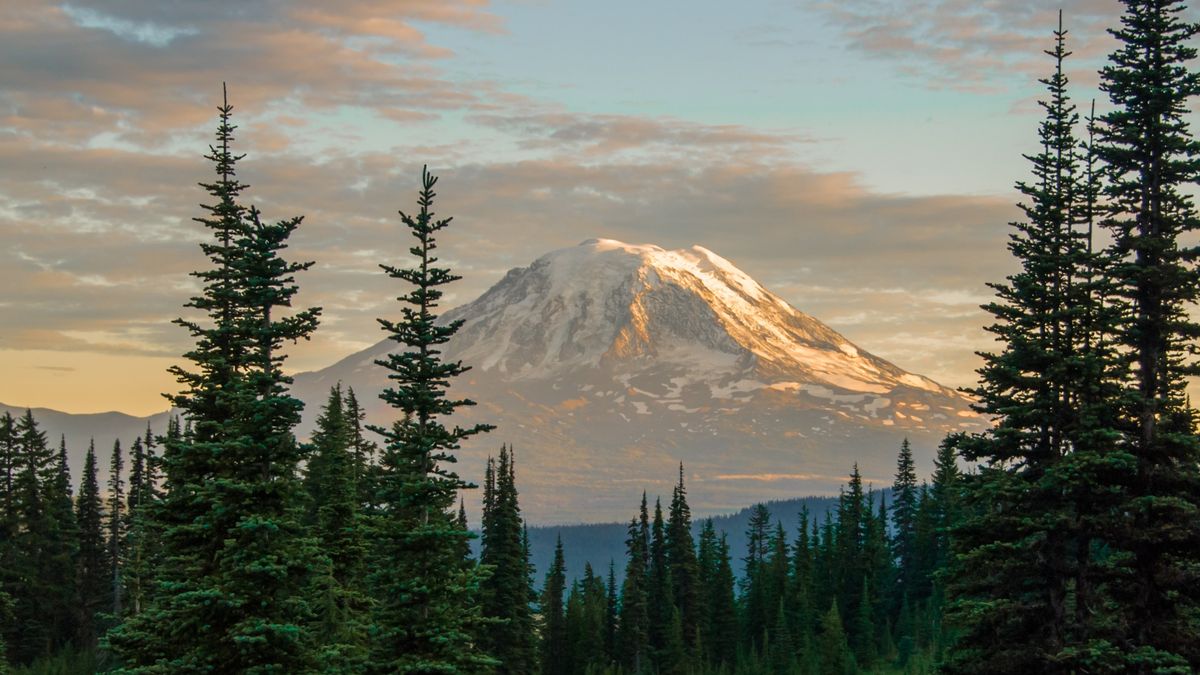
(79, 428)
(607, 364)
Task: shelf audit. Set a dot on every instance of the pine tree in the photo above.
(659, 595)
(1021, 543)
(555, 653)
(612, 609)
(424, 614)
(1152, 161)
(505, 594)
(800, 584)
(832, 649)
(144, 535)
(757, 604)
(364, 451)
(115, 528)
(92, 568)
(904, 513)
(236, 563)
(334, 519)
(634, 625)
(722, 640)
(42, 572)
(681, 560)
(9, 522)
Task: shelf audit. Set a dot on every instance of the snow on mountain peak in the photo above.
(609, 304)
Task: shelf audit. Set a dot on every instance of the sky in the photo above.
(857, 157)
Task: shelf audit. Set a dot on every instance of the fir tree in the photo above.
(904, 514)
(115, 527)
(506, 593)
(236, 563)
(92, 568)
(555, 650)
(833, 652)
(681, 559)
(1152, 161)
(426, 604)
(337, 524)
(635, 618)
(659, 595)
(1021, 543)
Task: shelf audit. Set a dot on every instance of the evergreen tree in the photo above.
(904, 514)
(42, 558)
(635, 618)
(660, 598)
(143, 534)
(1153, 161)
(364, 451)
(681, 560)
(426, 605)
(341, 604)
(506, 593)
(555, 650)
(757, 604)
(833, 652)
(10, 465)
(235, 563)
(115, 528)
(1020, 545)
(92, 563)
(612, 609)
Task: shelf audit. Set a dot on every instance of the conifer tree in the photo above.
(426, 605)
(612, 608)
(1151, 159)
(722, 640)
(364, 451)
(42, 572)
(555, 652)
(235, 563)
(92, 568)
(9, 520)
(341, 605)
(681, 560)
(143, 535)
(904, 513)
(1020, 543)
(506, 593)
(115, 528)
(833, 651)
(634, 623)
(660, 598)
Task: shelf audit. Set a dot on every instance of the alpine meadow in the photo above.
(620, 458)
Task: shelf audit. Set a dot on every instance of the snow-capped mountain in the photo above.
(606, 364)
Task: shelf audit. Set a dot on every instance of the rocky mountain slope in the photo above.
(606, 364)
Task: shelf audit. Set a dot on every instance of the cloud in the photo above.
(106, 111)
(140, 72)
(971, 45)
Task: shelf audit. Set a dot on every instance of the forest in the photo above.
(1065, 539)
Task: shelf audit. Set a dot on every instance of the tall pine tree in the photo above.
(426, 598)
(1152, 160)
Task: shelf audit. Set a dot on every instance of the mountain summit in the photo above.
(606, 364)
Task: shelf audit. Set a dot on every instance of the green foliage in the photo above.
(91, 565)
(1153, 163)
(235, 561)
(339, 600)
(507, 593)
(426, 604)
(555, 650)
